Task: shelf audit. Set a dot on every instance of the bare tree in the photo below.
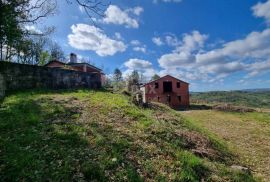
(17, 15)
(92, 8)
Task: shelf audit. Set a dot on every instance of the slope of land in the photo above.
(257, 99)
(248, 134)
(101, 136)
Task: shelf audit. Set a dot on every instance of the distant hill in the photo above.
(259, 98)
(256, 90)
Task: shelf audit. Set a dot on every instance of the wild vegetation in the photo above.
(247, 134)
(24, 39)
(258, 99)
(101, 136)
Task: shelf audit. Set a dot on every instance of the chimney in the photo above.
(73, 58)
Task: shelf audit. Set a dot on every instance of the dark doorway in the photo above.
(167, 86)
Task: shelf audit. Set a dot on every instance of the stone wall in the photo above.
(15, 76)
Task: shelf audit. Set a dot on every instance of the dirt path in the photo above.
(247, 134)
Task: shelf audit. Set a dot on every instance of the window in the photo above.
(167, 86)
(156, 85)
(178, 84)
(179, 98)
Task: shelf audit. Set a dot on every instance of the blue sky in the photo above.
(212, 44)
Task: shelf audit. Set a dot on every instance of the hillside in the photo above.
(101, 136)
(257, 99)
(247, 134)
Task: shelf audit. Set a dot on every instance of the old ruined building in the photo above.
(168, 90)
(73, 64)
(55, 75)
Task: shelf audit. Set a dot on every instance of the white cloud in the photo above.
(157, 41)
(138, 46)
(135, 42)
(182, 55)
(180, 59)
(136, 11)
(117, 16)
(193, 41)
(139, 49)
(142, 66)
(258, 68)
(172, 40)
(118, 36)
(250, 54)
(255, 45)
(138, 64)
(262, 10)
(87, 37)
(32, 29)
(167, 1)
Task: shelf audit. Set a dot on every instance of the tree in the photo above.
(135, 77)
(17, 20)
(117, 75)
(44, 58)
(92, 7)
(155, 77)
(56, 52)
(133, 81)
(15, 16)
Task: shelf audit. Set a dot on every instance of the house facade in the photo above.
(75, 66)
(168, 90)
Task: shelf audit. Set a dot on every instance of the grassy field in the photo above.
(247, 134)
(259, 99)
(100, 136)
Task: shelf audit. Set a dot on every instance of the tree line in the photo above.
(130, 83)
(21, 42)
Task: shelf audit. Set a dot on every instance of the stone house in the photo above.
(73, 64)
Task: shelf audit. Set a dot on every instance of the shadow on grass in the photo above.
(35, 150)
(199, 107)
(51, 91)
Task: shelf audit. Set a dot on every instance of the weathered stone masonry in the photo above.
(15, 76)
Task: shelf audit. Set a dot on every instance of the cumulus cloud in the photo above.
(142, 66)
(182, 55)
(138, 64)
(167, 1)
(157, 41)
(262, 10)
(258, 68)
(117, 16)
(118, 35)
(255, 45)
(172, 40)
(136, 11)
(87, 37)
(193, 41)
(138, 46)
(250, 54)
(176, 59)
(135, 42)
(139, 49)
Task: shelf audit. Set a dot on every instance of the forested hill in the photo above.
(259, 98)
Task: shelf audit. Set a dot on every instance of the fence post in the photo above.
(2, 87)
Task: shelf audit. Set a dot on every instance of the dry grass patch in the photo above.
(248, 134)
